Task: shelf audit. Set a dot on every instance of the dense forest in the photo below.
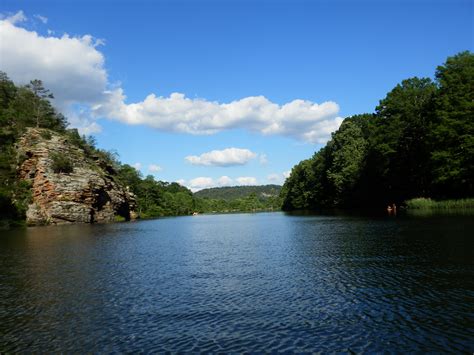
(236, 192)
(418, 143)
(239, 198)
(29, 106)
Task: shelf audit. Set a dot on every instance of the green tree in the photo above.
(130, 177)
(41, 94)
(348, 149)
(302, 186)
(399, 141)
(452, 137)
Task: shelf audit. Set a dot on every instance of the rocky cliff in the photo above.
(87, 193)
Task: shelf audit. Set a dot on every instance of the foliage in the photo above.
(420, 141)
(427, 203)
(46, 135)
(61, 164)
(39, 102)
(246, 203)
(452, 155)
(347, 151)
(20, 107)
(235, 192)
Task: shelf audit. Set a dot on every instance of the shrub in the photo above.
(46, 135)
(61, 164)
(427, 203)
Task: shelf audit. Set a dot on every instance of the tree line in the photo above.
(418, 143)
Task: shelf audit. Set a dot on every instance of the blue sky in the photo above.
(348, 53)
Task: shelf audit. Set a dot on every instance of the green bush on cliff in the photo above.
(61, 164)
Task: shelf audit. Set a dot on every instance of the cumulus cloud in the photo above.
(225, 181)
(73, 68)
(154, 168)
(225, 157)
(200, 183)
(81, 119)
(15, 18)
(286, 174)
(247, 180)
(300, 119)
(137, 165)
(278, 178)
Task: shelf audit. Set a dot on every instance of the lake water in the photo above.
(242, 282)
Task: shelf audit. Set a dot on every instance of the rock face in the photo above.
(88, 194)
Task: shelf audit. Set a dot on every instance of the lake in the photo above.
(241, 283)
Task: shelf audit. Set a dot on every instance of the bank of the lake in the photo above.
(240, 283)
(429, 204)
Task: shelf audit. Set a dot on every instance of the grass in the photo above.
(118, 218)
(422, 203)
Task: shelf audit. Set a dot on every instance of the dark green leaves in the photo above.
(420, 142)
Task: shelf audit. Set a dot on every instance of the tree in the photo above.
(7, 90)
(420, 142)
(452, 155)
(348, 149)
(399, 142)
(40, 102)
(301, 187)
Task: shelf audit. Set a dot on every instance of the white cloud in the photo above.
(246, 180)
(263, 159)
(200, 183)
(137, 165)
(82, 120)
(224, 181)
(225, 157)
(286, 174)
(154, 168)
(16, 18)
(299, 119)
(275, 178)
(182, 182)
(73, 68)
(278, 178)
(43, 19)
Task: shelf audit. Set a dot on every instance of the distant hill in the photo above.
(235, 192)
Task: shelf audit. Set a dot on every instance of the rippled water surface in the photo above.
(246, 282)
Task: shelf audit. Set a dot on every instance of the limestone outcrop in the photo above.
(89, 193)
